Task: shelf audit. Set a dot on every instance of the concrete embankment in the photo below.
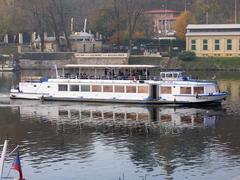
(47, 60)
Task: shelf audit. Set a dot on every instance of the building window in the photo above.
(62, 87)
(166, 90)
(205, 45)
(217, 44)
(193, 45)
(185, 90)
(74, 87)
(229, 44)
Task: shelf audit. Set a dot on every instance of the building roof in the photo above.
(213, 30)
(160, 11)
(108, 66)
(213, 33)
(213, 26)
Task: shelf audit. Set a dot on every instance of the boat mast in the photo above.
(56, 71)
(4, 151)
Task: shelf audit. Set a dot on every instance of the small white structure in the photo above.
(84, 42)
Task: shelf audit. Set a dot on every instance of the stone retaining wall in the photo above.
(48, 60)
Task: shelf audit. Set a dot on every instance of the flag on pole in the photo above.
(17, 165)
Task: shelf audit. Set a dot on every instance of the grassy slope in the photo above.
(216, 64)
(231, 63)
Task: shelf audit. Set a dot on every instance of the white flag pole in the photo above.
(4, 151)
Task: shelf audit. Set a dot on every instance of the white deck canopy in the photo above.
(98, 66)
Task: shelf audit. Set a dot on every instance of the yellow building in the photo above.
(212, 40)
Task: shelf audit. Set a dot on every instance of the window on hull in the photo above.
(96, 88)
(185, 90)
(85, 88)
(74, 88)
(108, 89)
(166, 90)
(131, 89)
(62, 87)
(143, 89)
(198, 90)
(119, 89)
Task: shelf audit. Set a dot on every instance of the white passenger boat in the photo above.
(120, 83)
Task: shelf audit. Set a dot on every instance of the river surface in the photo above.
(61, 140)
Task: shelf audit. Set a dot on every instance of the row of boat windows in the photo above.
(104, 88)
(126, 89)
(183, 90)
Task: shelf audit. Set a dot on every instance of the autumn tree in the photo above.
(60, 14)
(134, 10)
(13, 18)
(182, 21)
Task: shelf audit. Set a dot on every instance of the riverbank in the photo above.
(199, 64)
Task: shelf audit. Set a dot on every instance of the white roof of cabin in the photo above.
(108, 66)
(81, 35)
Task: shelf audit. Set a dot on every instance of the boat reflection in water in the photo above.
(126, 118)
(135, 140)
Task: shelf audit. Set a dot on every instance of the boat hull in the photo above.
(120, 91)
(206, 99)
(14, 94)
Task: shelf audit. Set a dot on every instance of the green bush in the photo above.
(187, 55)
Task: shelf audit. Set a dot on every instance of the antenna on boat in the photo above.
(56, 71)
(72, 25)
(85, 25)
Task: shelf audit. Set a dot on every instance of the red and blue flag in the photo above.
(17, 165)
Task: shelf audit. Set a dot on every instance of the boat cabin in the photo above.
(172, 75)
(113, 72)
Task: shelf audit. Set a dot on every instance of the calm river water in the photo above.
(89, 141)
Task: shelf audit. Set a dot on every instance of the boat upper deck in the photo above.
(114, 73)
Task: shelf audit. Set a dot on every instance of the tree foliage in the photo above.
(181, 23)
(116, 20)
(187, 56)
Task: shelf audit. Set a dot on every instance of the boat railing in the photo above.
(34, 79)
(203, 81)
(133, 78)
